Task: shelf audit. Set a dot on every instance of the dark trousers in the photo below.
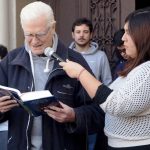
(101, 141)
(92, 141)
(3, 140)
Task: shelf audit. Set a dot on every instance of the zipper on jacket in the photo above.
(27, 133)
(29, 121)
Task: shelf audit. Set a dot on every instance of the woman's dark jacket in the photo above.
(15, 72)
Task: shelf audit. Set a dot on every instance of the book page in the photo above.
(28, 96)
(10, 89)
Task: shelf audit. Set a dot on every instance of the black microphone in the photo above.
(51, 53)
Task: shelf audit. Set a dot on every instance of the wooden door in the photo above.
(107, 17)
(66, 11)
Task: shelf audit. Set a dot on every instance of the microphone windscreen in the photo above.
(48, 51)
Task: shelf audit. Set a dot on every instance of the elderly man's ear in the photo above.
(53, 27)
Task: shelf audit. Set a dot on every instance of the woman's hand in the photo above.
(73, 69)
(88, 81)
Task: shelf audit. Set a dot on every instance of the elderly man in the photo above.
(29, 69)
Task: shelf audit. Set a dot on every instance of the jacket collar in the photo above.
(62, 51)
(22, 59)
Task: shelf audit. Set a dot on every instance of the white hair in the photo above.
(36, 9)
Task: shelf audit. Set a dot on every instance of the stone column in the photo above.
(8, 23)
(4, 21)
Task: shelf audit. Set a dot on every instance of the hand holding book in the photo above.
(6, 103)
(32, 102)
(61, 114)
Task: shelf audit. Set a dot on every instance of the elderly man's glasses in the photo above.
(39, 35)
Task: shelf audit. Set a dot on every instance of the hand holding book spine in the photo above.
(32, 102)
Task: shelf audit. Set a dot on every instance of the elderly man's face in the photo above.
(38, 35)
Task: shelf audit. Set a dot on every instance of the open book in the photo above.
(32, 102)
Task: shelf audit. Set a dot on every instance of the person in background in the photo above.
(127, 101)
(3, 51)
(31, 68)
(4, 125)
(82, 32)
(120, 52)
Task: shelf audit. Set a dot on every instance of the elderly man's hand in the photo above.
(6, 104)
(63, 115)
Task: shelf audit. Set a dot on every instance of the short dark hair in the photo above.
(117, 39)
(3, 51)
(81, 21)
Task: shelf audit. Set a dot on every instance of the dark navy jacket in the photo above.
(15, 71)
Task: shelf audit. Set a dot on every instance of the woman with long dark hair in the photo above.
(127, 101)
